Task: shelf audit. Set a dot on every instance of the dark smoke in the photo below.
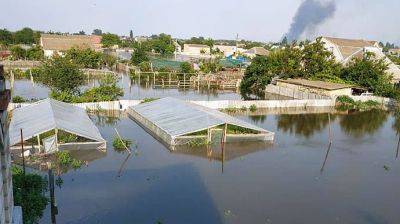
(309, 15)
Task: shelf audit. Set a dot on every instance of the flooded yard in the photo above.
(249, 183)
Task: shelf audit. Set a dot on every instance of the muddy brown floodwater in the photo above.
(248, 183)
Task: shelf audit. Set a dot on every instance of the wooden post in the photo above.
(22, 151)
(184, 80)
(330, 131)
(53, 208)
(154, 79)
(38, 141)
(169, 79)
(56, 134)
(208, 135)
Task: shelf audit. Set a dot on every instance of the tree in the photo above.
(86, 58)
(371, 74)
(162, 44)
(60, 74)
(98, 32)
(108, 60)
(6, 37)
(18, 53)
(257, 75)
(284, 41)
(35, 53)
(131, 34)
(317, 61)
(139, 55)
(186, 67)
(110, 39)
(25, 36)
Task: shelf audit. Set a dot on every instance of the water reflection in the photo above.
(305, 125)
(360, 123)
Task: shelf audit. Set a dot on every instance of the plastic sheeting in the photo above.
(48, 114)
(177, 117)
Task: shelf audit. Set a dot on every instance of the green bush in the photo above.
(344, 100)
(253, 108)
(120, 144)
(29, 193)
(18, 99)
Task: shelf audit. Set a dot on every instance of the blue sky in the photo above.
(263, 20)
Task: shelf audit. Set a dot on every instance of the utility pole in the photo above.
(22, 151)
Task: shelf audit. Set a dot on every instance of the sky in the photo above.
(260, 20)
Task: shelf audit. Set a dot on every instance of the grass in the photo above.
(148, 100)
(231, 109)
(347, 103)
(119, 144)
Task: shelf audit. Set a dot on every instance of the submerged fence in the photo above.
(293, 93)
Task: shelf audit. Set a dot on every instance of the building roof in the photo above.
(258, 51)
(48, 114)
(196, 45)
(351, 42)
(65, 42)
(316, 84)
(351, 47)
(177, 117)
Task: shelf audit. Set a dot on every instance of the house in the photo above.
(316, 87)
(58, 44)
(228, 50)
(395, 51)
(344, 50)
(196, 49)
(256, 51)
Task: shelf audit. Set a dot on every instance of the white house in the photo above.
(228, 50)
(58, 44)
(196, 49)
(345, 50)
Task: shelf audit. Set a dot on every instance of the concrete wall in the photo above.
(294, 92)
(304, 91)
(217, 104)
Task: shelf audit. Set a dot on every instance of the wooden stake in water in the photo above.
(123, 143)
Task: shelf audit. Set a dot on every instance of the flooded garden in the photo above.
(300, 178)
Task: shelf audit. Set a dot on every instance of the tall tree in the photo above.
(6, 37)
(25, 36)
(131, 34)
(109, 39)
(98, 32)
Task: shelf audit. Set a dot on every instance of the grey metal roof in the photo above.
(177, 117)
(48, 114)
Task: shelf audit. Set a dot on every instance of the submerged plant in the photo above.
(197, 142)
(148, 100)
(65, 160)
(121, 144)
(253, 108)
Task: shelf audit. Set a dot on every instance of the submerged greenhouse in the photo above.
(50, 125)
(178, 122)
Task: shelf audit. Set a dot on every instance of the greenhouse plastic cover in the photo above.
(48, 114)
(177, 117)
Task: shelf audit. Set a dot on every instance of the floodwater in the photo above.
(132, 90)
(294, 180)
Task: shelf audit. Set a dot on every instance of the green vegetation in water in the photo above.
(121, 144)
(18, 99)
(243, 108)
(29, 193)
(231, 109)
(148, 100)
(347, 103)
(253, 108)
(197, 142)
(232, 129)
(65, 160)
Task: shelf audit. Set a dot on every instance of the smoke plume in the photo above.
(309, 15)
